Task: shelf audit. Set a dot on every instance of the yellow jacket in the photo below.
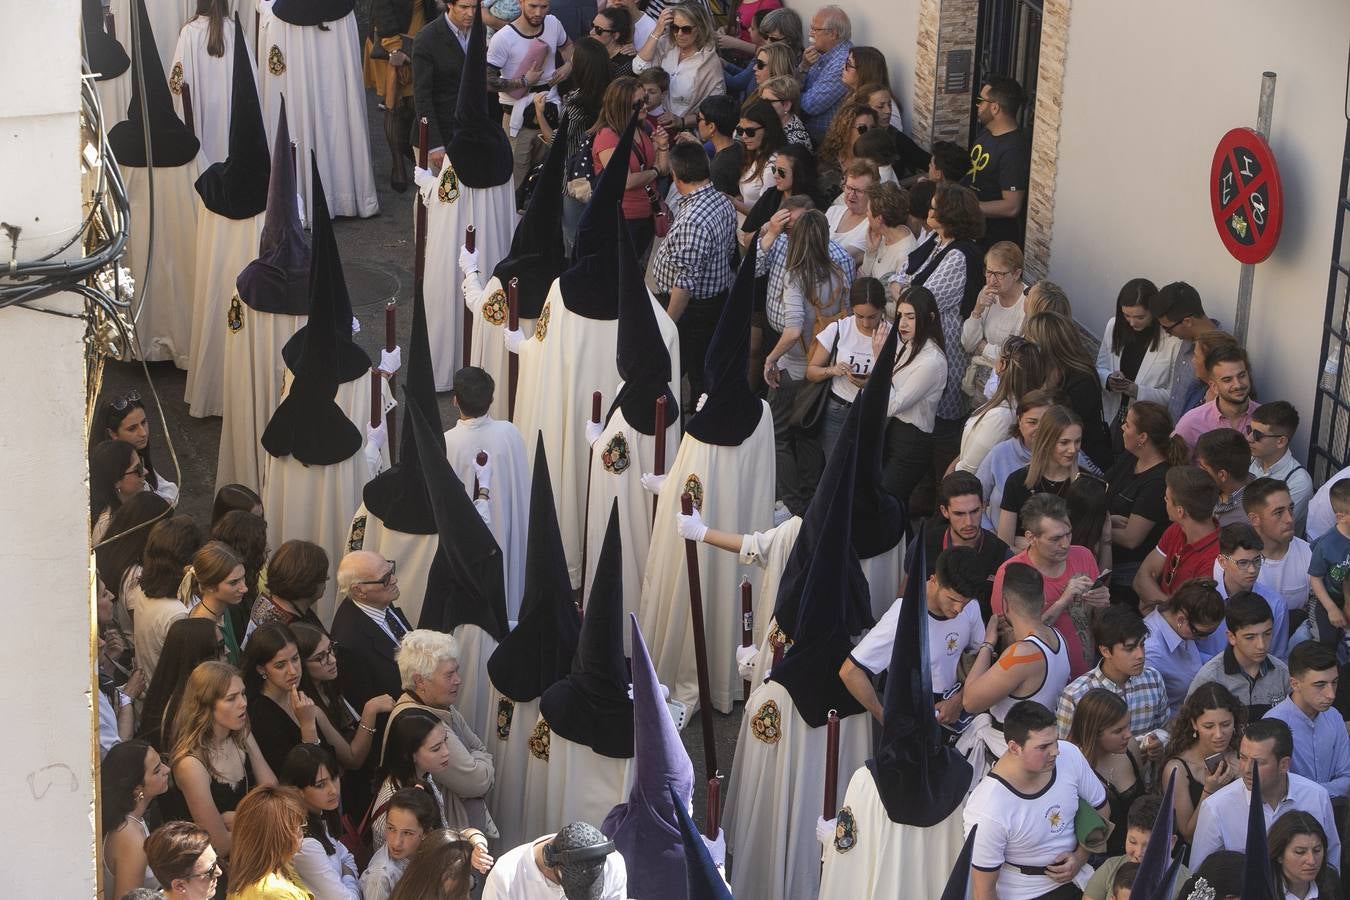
(274, 886)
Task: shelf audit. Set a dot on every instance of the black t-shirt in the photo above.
(990, 553)
(1000, 163)
(724, 169)
(1141, 494)
(1016, 492)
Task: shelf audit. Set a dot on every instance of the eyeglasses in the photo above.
(767, 99)
(848, 64)
(596, 29)
(1245, 565)
(853, 191)
(979, 101)
(996, 273)
(138, 469)
(761, 64)
(324, 656)
(781, 172)
(127, 400)
(681, 29)
(387, 577)
(1202, 633)
(862, 129)
(214, 872)
(1256, 435)
(748, 131)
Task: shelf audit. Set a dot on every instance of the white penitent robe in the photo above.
(770, 551)
(508, 740)
(776, 794)
(618, 459)
(317, 503)
(164, 288)
(319, 72)
(568, 359)
(167, 18)
(508, 493)
(451, 208)
(488, 308)
(733, 487)
(871, 855)
(253, 375)
(224, 247)
(413, 553)
(883, 577)
(114, 94)
(211, 83)
(573, 783)
(474, 700)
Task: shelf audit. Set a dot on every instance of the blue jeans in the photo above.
(836, 412)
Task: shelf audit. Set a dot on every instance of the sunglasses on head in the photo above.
(748, 131)
(126, 401)
(681, 29)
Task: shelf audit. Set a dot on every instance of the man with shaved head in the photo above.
(368, 627)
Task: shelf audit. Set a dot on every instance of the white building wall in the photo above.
(1149, 89)
(47, 763)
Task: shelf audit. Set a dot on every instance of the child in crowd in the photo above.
(1330, 563)
(1106, 883)
(655, 82)
(410, 817)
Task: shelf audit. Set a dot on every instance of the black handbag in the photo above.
(808, 404)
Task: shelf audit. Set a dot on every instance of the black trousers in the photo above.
(906, 459)
(799, 457)
(696, 328)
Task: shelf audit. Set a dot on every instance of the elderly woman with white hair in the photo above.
(428, 665)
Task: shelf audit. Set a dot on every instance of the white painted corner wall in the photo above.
(47, 765)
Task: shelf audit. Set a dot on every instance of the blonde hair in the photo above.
(1053, 423)
(1007, 253)
(206, 686)
(779, 62)
(210, 565)
(785, 86)
(267, 824)
(698, 17)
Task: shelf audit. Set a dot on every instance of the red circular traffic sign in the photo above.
(1245, 195)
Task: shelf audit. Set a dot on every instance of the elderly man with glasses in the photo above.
(368, 627)
(823, 87)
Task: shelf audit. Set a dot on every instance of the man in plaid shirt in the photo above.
(1119, 634)
(692, 268)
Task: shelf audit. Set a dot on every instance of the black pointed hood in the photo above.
(1257, 879)
(821, 642)
(1156, 875)
(589, 287)
(644, 361)
(591, 705)
(172, 142)
(107, 57)
(538, 652)
(479, 149)
(308, 424)
(704, 881)
(237, 187)
(537, 256)
(278, 280)
(879, 519)
(466, 584)
(350, 362)
(398, 496)
(732, 411)
(312, 12)
(959, 881)
(919, 779)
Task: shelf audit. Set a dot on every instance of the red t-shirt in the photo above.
(635, 202)
(1080, 562)
(1183, 561)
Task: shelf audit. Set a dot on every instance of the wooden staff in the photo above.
(777, 652)
(512, 360)
(375, 400)
(185, 90)
(831, 764)
(586, 514)
(420, 251)
(390, 342)
(700, 643)
(747, 625)
(659, 467)
(713, 820)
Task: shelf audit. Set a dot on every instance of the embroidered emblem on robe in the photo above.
(615, 456)
(845, 831)
(539, 740)
(694, 488)
(506, 708)
(766, 725)
(448, 190)
(276, 63)
(176, 78)
(357, 538)
(494, 308)
(234, 318)
(541, 325)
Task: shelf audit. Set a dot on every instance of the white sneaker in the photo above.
(780, 513)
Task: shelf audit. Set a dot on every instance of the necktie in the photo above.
(394, 625)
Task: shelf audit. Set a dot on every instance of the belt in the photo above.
(835, 398)
(1027, 870)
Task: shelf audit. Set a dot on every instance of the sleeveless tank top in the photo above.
(1056, 676)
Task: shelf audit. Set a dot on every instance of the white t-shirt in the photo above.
(947, 640)
(856, 239)
(855, 348)
(508, 49)
(643, 27)
(516, 877)
(1288, 577)
(1030, 829)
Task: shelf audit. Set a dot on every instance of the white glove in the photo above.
(717, 848)
(391, 360)
(300, 205)
(691, 527)
(825, 832)
(472, 287)
(652, 483)
(514, 340)
(356, 325)
(376, 439)
(484, 474)
(468, 259)
(593, 431)
(484, 511)
(426, 181)
(745, 662)
(702, 399)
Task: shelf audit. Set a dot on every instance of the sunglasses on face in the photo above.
(386, 578)
(761, 64)
(1256, 435)
(681, 29)
(598, 30)
(781, 172)
(862, 129)
(748, 131)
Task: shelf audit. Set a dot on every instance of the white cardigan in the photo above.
(1154, 377)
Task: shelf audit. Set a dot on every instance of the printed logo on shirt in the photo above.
(1055, 818)
(494, 308)
(952, 641)
(979, 161)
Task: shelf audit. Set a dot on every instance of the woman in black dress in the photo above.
(1205, 733)
(1101, 729)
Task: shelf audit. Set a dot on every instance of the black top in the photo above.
(1141, 494)
(990, 553)
(1119, 802)
(724, 169)
(225, 796)
(1016, 492)
(620, 65)
(437, 61)
(1132, 352)
(997, 164)
(392, 17)
(274, 730)
(1194, 787)
(1085, 398)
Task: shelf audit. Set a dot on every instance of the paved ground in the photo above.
(377, 256)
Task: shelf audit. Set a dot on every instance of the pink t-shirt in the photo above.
(745, 13)
(1080, 562)
(635, 202)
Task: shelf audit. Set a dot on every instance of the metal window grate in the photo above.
(1329, 449)
(1008, 38)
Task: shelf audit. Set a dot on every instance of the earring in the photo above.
(1194, 733)
(138, 795)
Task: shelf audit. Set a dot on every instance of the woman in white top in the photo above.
(133, 774)
(917, 383)
(1136, 356)
(1019, 369)
(998, 314)
(848, 220)
(761, 135)
(325, 865)
(684, 45)
(889, 240)
(859, 339)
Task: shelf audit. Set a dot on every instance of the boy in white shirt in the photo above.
(522, 59)
(1284, 572)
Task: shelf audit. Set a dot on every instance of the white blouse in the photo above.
(998, 323)
(691, 79)
(328, 877)
(917, 388)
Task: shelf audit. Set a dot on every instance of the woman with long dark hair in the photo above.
(247, 535)
(118, 560)
(1298, 858)
(1208, 724)
(395, 23)
(236, 496)
(591, 75)
(1070, 368)
(917, 382)
(836, 148)
(1088, 515)
(203, 59)
(123, 419)
(323, 863)
(131, 777)
(280, 716)
(857, 339)
(1135, 358)
(189, 643)
(350, 733)
(443, 868)
(613, 28)
(415, 749)
(761, 135)
(115, 475)
(168, 551)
